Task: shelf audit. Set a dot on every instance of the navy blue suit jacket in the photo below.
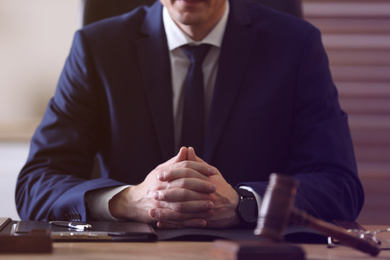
(274, 109)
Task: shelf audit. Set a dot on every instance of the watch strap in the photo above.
(246, 197)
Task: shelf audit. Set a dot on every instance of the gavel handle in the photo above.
(302, 218)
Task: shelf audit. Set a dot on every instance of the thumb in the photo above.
(182, 155)
(192, 155)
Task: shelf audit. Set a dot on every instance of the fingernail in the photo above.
(156, 195)
(181, 148)
(153, 213)
(202, 223)
(161, 176)
(213, 188)
(209, 205)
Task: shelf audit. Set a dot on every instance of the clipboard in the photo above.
(99, 231)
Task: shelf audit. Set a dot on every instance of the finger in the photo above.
(186, 169)
(184, 185)
(191, 155)
(177, 195)
(191, 223)
(197, 166)
(181, 156)
(180, 211)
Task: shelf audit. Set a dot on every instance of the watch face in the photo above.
(248, 210)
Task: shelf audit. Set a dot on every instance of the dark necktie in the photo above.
(193, 109)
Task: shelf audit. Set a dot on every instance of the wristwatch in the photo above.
(247, 207)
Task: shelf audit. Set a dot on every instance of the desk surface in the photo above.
(175, 250)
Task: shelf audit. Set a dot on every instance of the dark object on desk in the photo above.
(94, 10)
(302, 218)
(292, 234)
(4, 222)
(278, 205)
(277, 211)
(249, 250)
(37, 241)
(100, 231)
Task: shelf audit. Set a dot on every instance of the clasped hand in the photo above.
(180, 193)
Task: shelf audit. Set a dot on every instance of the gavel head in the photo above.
(275, 210)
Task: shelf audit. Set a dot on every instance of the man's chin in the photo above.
(190, 3)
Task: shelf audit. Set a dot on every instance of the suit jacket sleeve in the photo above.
(322, 156)
(52, 184)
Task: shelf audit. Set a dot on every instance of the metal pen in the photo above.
(70, 224)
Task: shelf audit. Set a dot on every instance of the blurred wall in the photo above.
(35, 38)
(356, 35)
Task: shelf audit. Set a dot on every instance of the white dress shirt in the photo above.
(98, 201)
(180, 65)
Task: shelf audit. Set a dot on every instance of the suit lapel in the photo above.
(153, 58)
(156, 73)
(236, 49)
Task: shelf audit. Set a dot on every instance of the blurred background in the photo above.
(35, 38)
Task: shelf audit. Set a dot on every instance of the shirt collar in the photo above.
(176, 37)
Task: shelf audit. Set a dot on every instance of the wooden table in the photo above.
(175, 250)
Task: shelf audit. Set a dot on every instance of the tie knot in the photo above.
(196, 53)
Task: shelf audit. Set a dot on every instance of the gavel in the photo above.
(277, 211)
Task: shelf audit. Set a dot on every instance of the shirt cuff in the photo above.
(98, 202)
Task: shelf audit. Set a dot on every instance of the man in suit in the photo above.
(270, 106)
